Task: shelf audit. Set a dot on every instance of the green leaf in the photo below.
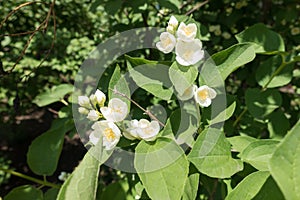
(24, 192)
(266, 70)
(211, 154)
(228, 60)
(51, 194)
(191, 187)
(56, 93)
(249, 186)
(162, 167)
(185, 122)
(264, 39)
(119, 83)
(224, 115)
(239, 143)
(285, 164)
(44, 151)
(171, 4)
(182, 77)
(262, 103)
(258, 153)
(152, 78)
(113, 191)
(278, 124)
(269, 190)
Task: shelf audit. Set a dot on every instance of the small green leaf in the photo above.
(51, 194)
(262, 103)
(264, 39)
(83, 182)
(267, 69)
(278, 124)
(152, 78)
(249, 186)
(56, 93)
(258, 153)
(191, 187)
(239, 143)
(162, 167)
(182, 77)
(44, 152)
(285, 164)
(211, 154)
(24, 192)
(229, 60)
(224, 115)
(113, 191)
(119, 83)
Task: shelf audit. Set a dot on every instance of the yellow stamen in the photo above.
(109, 134)
(203, 94)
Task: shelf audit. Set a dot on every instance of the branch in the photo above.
(196, 7)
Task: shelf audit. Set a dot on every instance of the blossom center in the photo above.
(188, 31)
(188, 54)
(167, 42)
(109, 134)
(203, 94)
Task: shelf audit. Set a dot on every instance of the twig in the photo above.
(140, 107)
(240, 117)
(196, 7)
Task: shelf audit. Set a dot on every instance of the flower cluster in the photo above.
(115, 112)
(188, 48)
(203, 95)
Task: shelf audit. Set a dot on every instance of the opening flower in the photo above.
(188, 93)
(108, 130)
(83, 111)
(84, 101)
(98, 98)
(142, 129)
(172, 25)
(116, 111)
(204, 95)
(187, 32)
(189, 52)
(167, 42)
(94, 115)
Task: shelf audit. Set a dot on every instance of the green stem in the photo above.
(45, 183)
(239, 117)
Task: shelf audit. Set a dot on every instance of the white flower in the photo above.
(172, 25)
(188, 93)
(98, 98)
(187, 32)
(142, 129)
(189, 53)
(204, 95)
(84, 101)
(93, 115)
(148, 130)
(116, 111)
(83, 110)
(131, 132)
(167, 42)
(108, 130)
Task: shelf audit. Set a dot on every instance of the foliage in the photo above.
(245, 148)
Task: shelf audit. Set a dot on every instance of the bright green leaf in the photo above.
(262, 103)
(266, 70)
(224, 115)
(211, 154)
(119, 83)
(264, 39)
(152, 78)
(239, 143)
(44, 151)
(24, 192)
(258, 153)
(162, 167)
(285, 164)
(249, 186)
(55, 94)
(191, 187)
(182, 77)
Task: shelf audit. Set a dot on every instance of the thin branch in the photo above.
(138, 105)
(196, 7)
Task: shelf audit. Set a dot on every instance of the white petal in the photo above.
(173, 21)
(188, 93)
(83, 110)
(187, 32)
(212, 93)
(167, 42)
(93, 115)
(205, 103)
(100, 97)
(189, 52)
(150, 131)
(84, 101)
(93, 139)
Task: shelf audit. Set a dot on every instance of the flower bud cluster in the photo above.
(115, 112)
(188, 48)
